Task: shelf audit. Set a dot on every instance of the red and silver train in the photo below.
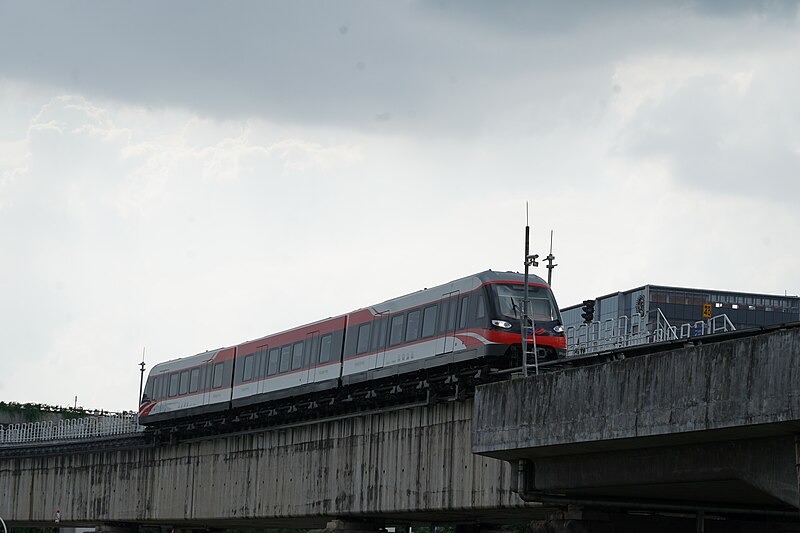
(457, 323)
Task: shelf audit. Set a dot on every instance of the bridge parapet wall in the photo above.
(743, 388)
(708, 424)
(414, 460)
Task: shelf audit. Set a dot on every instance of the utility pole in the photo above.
(141, 378)
(530, 260)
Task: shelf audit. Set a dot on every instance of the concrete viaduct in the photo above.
(700, 437)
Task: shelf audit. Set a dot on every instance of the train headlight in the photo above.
(558, 329)
(501, 324)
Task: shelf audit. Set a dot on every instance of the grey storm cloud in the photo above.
(297, 61)
(434, 64)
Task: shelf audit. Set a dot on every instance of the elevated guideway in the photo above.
(703, 427)
(407, 465)
(709, 427)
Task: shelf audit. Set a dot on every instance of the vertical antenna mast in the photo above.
(523, 323)
(550, 265)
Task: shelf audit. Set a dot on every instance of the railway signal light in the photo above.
(588, 311)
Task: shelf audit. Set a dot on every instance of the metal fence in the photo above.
(66, 430)
(626, 331)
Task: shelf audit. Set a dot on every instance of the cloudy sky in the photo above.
(181, 176)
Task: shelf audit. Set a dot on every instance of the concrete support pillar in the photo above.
(700, 522)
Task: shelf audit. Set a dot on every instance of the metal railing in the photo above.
(663, 330)
(69, 429)
(717, 324)
(607, 335)
(626, 331)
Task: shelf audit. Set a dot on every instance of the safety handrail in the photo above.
(69, 429)
(631, 331)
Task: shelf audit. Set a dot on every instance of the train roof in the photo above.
(186, 361)
(491, 275)
(473, 280)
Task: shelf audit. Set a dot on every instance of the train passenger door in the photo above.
(206, 370)
(448, 311)
(380, 336)
(312, 355)
(261, 368)
(298, 370)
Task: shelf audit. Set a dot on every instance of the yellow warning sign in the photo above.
(706, 310)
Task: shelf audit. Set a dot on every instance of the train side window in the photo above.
(451, 318)
(429, 321)
(218, 375)
(274, 360)
(194, 380)
(249, 365)
(156, 388)
(396, 330)
(379, 334)
(264, 361)
(325, 348)
(412, 326)
(205, 377)
(184, 386)
(462, 320)
(362, 346)
(147, 395)
(209, 376)
(297, 355)
(481, 310)
(256, 364)
(286, 358)
(443, 317)
(312, 349)
(173, 384)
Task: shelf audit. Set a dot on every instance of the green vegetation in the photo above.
(33, 412)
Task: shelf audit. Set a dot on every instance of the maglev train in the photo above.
(473, 318)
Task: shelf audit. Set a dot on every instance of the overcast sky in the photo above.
(180, 176)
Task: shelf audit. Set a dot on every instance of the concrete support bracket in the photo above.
(345, 526)
(797, 466)
(117, 528)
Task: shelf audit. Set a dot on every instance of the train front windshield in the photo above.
(541, 306)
